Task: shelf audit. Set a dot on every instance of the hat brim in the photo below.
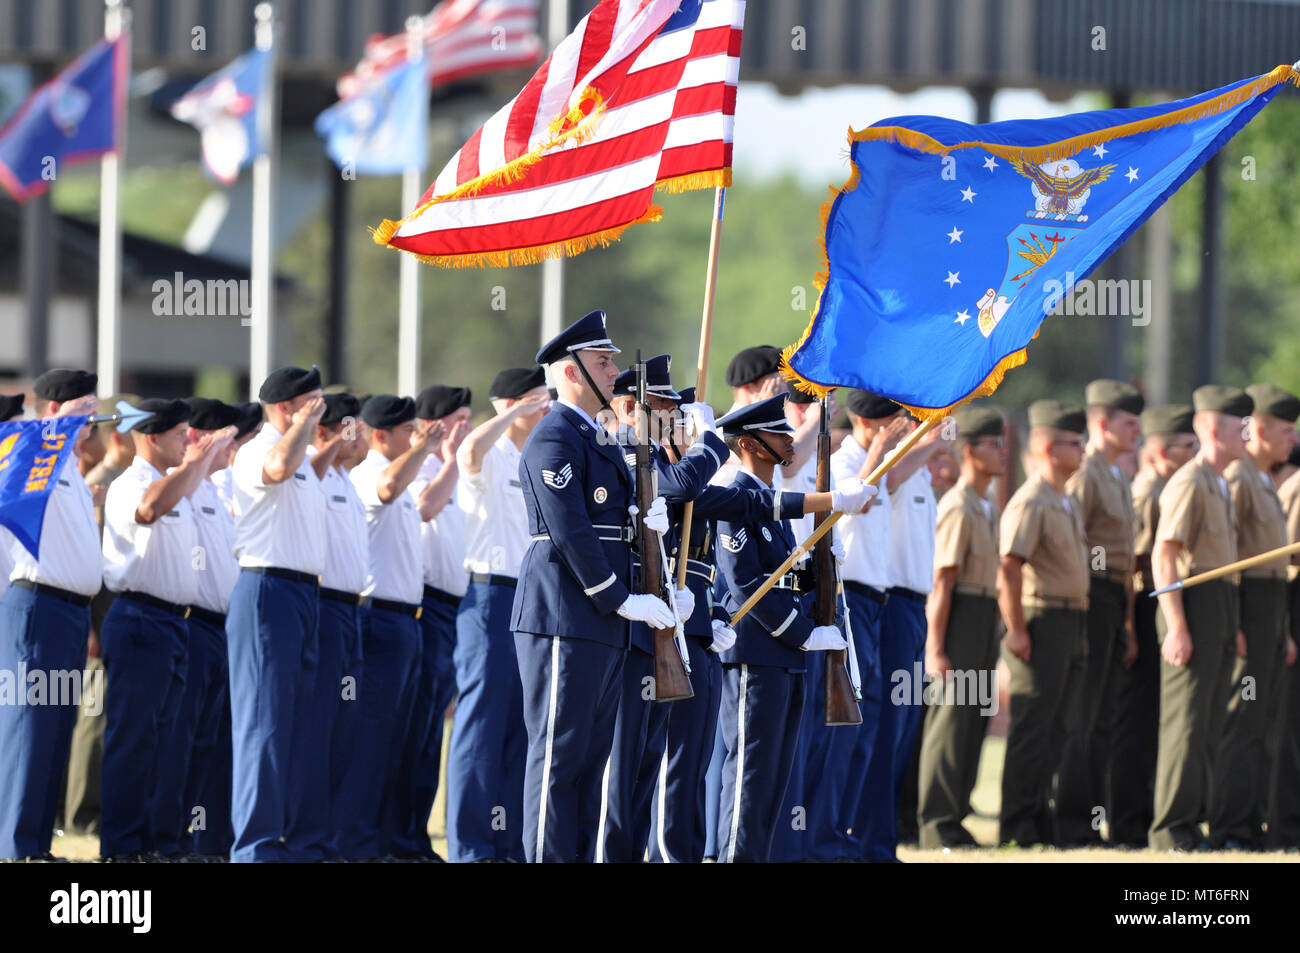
(769, 426)
(604, 344)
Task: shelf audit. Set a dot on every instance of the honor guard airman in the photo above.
(1284, 815)
(1102, 494)
(489, 742)
(1043, 594)
(573, 602)
(962, 630)
(44, 624)
(1244, 764)
(271, 625)
(1198, 626)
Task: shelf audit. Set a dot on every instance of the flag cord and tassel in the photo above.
(702, 365)
(824, 527)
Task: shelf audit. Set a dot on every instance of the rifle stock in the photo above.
(841, 704)
(671, 681)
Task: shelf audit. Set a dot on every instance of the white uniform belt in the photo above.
(604, 531)
(695, 567)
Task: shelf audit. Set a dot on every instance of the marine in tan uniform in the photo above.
(1100, 489)
(1284, 811)
(1197, 626)
(962, 631)
(1134, 695)
(1043, 594)
(1244, 764)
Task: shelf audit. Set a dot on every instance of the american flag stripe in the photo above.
(662, 83)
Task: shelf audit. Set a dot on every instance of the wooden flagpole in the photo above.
(702, 366)
(876, 476)
(1248, 563)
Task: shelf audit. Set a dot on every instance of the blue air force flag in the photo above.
(227, 109)
(32, 453)
(951, 242)
(381, 129)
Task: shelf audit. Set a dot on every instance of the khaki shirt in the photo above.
(1105, 501)
(966, 536)
(1195, 510)
(1261, 524)
(1044, 530)
(1146, 513)
(1288, 495)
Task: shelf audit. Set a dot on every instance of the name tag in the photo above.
(339, 499)
(514, 483)
(918, 499)
(208, 510)
(300, 476)
(175, 513)
(63, 482)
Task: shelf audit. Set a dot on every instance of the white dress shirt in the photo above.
(154, 558)
(6, 558)
(866, 536)
(443, 537)
(218, 571)
(913, 512)
(347, 552)
(70, 556)
(496, 520)
(805, 481)
(278, 524)
(396, 567)
(223, 481)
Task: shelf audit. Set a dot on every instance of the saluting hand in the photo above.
(310, 413)
(530, 405)
(425, 440)
(452, 441)
(82, 406)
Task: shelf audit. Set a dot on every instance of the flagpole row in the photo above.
(408, 309)
(262, 258)
(1211, 574)
(109, 358)
(876, 476)
(702, 365)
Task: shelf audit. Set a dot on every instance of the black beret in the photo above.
(436, 402)
(974, 422)
(1232, 401)
(166, 414)
(208, 414)
(11, 405)
(286, 383)
(516, 381)
(752, 363)
(1114, 395)
(63, 383)
(250, 418)
(863, 403)
(1166, 419)
(386, 411)
(1053, 413)
(339, 407)
(1274, 401)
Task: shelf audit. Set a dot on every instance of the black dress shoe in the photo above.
(127, 858)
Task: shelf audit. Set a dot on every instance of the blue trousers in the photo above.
(570, 689)
(38, 633)
(640, 733)
(678, 809)
(713, 788)
(271, 648)
(833, 815)
(145, 660)
(208, 781)
(790, 841)
(902, 652)
(421, 759)
(341, 624)
(761, 711)
(489, 742)
(311, 836)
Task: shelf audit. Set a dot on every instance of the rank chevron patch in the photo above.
(558, 481)
(734, 544)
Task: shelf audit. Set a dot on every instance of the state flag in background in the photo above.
(382, 128)
(74, 118)
(32, 454)
(225, 109)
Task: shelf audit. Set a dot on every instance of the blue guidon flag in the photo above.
(32, 454)
(951, 242)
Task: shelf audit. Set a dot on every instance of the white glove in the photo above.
(825, 638)
(651, 610)
(700, 417)
(685, 601)
(852, 496)
(724, 636)
(837, 550)
(656, 518)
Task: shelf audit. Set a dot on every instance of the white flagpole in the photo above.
(117, 20)
(408, 310)
(262, 266)
(557, 28)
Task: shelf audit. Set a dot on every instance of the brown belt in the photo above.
(971, 589)
(1055, 602)
(1115, 576)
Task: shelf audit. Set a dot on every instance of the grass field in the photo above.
(983, 824)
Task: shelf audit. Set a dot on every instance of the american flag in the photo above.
(461, 38)
(641, 95)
